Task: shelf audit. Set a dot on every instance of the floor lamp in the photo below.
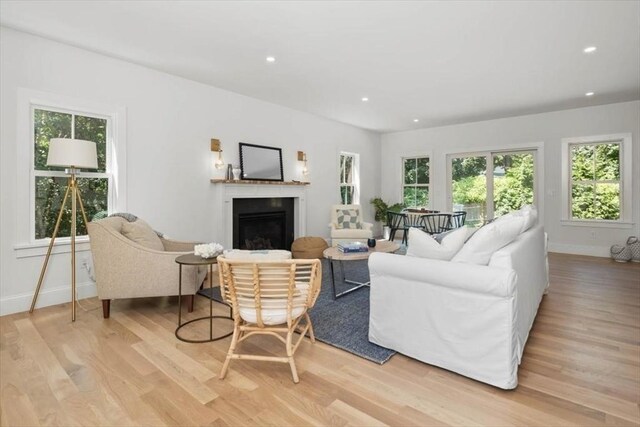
(73, 154)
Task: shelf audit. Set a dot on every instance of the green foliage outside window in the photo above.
(346, 179)
(415, 190)
(50, 190)
(595, 176)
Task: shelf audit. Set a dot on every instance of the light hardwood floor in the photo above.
(581, 367)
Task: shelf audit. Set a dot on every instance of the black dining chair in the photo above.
(435, 223)
(396, 222)
(458, 219)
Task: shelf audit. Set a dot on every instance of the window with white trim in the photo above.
(597, 178)
(349, 179)
(415, 181)
(48, 184)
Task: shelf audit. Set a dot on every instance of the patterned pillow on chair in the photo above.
(348, 218)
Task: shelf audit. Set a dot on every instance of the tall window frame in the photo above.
(417, 182)
(625, 181)
(349, 178)
(25, 244)
(60, 173)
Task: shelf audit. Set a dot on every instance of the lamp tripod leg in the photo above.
(46, 259)
(74, 199)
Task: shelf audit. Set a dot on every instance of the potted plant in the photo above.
(381, 207)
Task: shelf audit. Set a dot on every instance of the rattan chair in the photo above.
(269, 297)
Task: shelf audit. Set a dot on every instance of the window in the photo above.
(349, 179)
(415, 175)
(490, 184)
(49, 183)
(596, 178)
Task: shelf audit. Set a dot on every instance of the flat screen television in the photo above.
(260, 163)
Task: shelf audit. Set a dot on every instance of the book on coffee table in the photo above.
(353, 247)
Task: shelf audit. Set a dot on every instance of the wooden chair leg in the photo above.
(190, 300)
(292, 364)
(312, 336)
(106, 308)
(232, 348)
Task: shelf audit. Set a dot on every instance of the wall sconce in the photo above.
(215, 147)
(302, 157)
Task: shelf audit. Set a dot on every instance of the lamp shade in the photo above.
(72, 153)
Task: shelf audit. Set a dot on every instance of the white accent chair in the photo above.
(347, 235)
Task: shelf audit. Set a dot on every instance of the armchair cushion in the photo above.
(141, 233)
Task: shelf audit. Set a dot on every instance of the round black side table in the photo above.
(195, 260)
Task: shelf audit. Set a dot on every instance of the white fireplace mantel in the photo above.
(226, 191)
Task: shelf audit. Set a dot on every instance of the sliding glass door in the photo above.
(485, 192)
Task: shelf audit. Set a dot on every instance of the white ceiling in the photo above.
(440, 62)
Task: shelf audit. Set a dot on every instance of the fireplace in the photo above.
(263, 223)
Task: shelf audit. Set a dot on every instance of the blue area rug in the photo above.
(342, 323)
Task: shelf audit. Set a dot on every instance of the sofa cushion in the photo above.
(348, 219)
(260, 255)
(423, 245)
(490, 238)
(141, 233)
(528, 212)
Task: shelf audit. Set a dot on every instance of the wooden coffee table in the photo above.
(334, 255)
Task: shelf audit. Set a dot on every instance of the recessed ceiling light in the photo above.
(271, 59)
(589, 49)
(365, 99)
(416, 120)
(589, 94)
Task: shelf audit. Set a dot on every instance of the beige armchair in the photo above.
(348, 235)
(126, 269)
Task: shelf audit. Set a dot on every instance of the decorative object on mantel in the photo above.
(236, 172)
(302, 157)
(257, 182)
(262, 163)
(216, 148)
(73, 154)
(208, 250)
(229, 174)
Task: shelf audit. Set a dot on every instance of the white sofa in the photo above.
(470, 319)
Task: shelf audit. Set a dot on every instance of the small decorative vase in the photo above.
(386, 232)
(371, 243)
(620, 253)
(229, 175)
(236, 173)
(633, 243)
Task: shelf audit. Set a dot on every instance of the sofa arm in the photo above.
(468, 277)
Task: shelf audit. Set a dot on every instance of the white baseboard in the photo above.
(599, 251)
(62, 294)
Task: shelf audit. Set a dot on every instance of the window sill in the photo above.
(596, 223)
(61, 246)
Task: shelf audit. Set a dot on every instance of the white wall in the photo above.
(170, 121)
(548, 129)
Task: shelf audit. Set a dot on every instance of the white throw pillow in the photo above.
(490, 238)
(423, 245)
(528, 212)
